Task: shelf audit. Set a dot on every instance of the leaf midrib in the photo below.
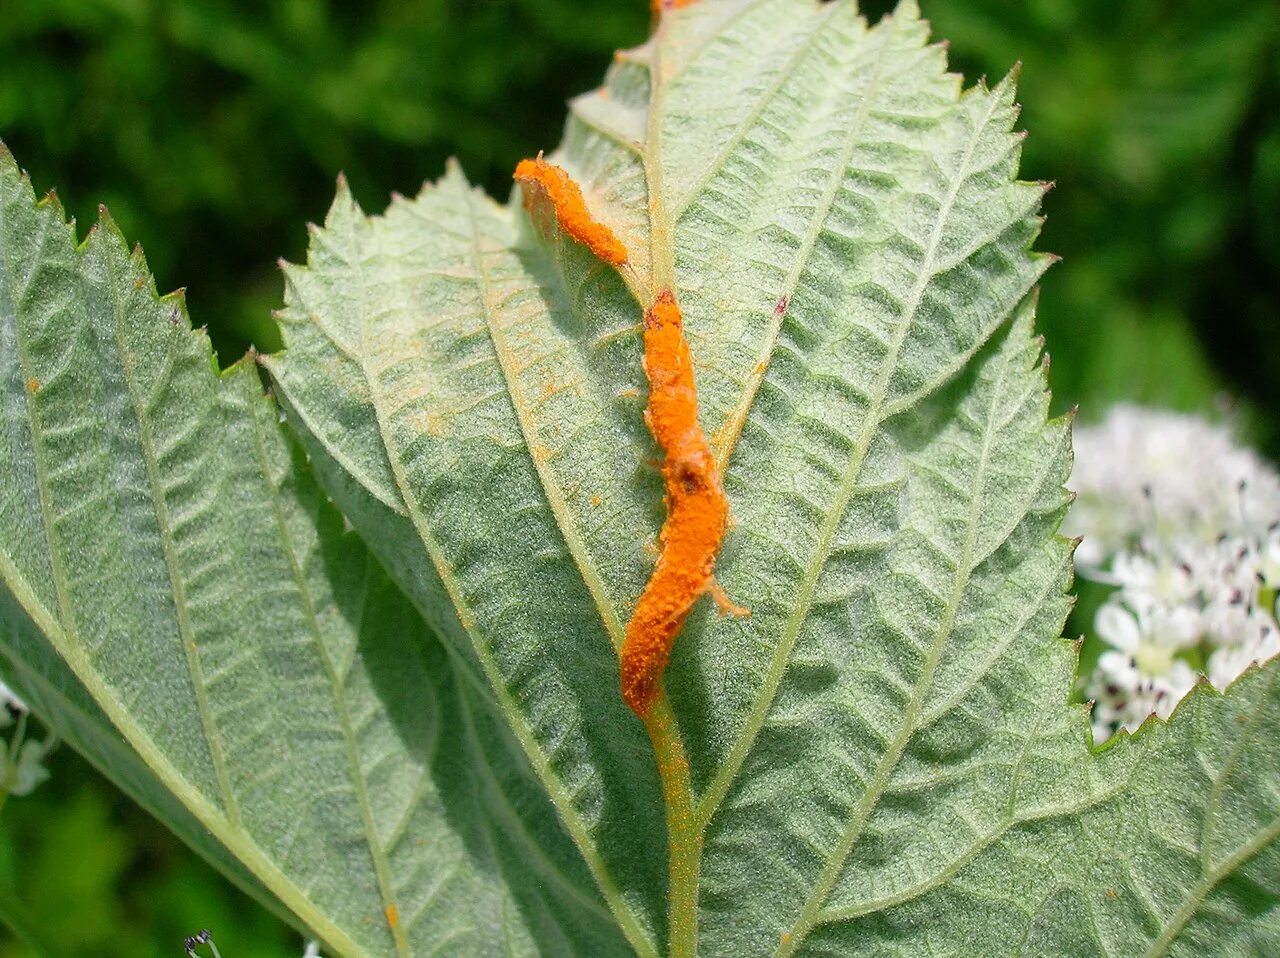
(964, 569)
(72, 652)
(557, 793)
(516, 828)
(382, 873)
(213, 738)
(767, 96)
(529, 430)
(1211, 876)
(719, 788)
(726, 438)
(32, 677)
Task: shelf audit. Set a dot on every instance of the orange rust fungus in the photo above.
(659, 6)
(697, 510)
(33, 386)
(538, 178)
(393, 917)
(596, 501)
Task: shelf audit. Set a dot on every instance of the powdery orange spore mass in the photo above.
(537, 178)
(659, 5)
(697, 510)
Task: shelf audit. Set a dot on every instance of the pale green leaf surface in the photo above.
(163, 537)
(882, 756)
(34, 670)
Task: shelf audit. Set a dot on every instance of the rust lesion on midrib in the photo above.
(697, 508)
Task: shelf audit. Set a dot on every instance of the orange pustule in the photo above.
(542, 180)
(697, 510)
(659, 5)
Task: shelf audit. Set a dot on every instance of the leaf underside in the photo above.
(882, 757)
(164, 539)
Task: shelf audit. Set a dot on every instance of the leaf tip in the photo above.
(907, 9)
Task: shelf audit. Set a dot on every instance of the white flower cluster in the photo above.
(22, 762)
(1184, 523)
(1145, 475)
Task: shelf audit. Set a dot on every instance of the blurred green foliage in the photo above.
(91, 874)
(213, 129)
(1159, 122)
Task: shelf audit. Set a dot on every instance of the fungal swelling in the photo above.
(697, 510)
(538, 178)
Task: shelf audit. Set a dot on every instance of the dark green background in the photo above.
(214, 129)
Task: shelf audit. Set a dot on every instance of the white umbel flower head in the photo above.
(1186, 526)
(1145, 475)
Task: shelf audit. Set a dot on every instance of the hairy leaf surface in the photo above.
(167, 565)
(882, 758)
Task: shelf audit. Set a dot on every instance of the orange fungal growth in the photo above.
(540, 179)
(660, 5)
(697, 510)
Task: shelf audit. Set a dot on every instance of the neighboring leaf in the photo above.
(883, 760)
(44, 682)
(159, 533)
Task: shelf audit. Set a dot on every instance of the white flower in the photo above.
(22, 776)
(1151, 579)
(22, 763)
(1125, 695)
(1156, 477)
(1184, 523)
(1269, 559)
(1229, 662)
(1151, 632)
(9, 705)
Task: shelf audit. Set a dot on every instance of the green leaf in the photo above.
(882, 758)
(168, 566)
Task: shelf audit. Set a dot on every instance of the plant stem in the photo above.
(684, 838)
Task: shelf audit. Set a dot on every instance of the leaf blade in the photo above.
(186, 548)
